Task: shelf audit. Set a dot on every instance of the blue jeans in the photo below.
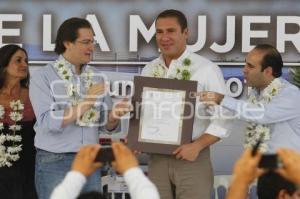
(50, 170)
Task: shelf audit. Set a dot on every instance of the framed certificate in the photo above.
(163, 114)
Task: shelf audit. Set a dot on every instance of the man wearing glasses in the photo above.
(71, 107)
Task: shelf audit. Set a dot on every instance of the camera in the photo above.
(270, 161)
(105, 154)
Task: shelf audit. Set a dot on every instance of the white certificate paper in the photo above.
(161, 115)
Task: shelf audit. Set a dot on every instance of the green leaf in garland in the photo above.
(186, 75)
(186, 62)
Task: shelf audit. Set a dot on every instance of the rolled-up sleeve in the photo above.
(217, 128)
(219, 122)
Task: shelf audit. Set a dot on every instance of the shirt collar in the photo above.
(261, 92)
(184, 55)
(72, 66)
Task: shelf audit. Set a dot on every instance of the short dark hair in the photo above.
(68, 31)
(6, 53)
(272, 58)
(176, 14)
(270, 184)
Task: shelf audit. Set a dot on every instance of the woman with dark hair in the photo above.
(17, 152)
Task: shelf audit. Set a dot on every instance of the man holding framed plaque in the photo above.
(187, 173)
(160, 102)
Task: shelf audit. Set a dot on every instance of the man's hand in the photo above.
(246, 168)
(244, 172)
(187, 152)
(120, 109)
(291, 162)
(84, 161)
(73, 113)
(124, 158)
(211, 98)
(95, 91)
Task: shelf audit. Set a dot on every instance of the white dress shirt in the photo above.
(209, 78)
(140, 187)
(282, 115)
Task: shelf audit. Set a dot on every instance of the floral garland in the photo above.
(92, 115)
(254, 131)
(158, 71)
(181, 72)
(9, 154)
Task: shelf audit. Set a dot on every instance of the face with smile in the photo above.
(17, 66)
(170, 39)
(80, 51)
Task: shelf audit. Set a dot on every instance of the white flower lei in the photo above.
(65, 73)
(181, 72)
(254, 131)
(9, 154)
(158, 71)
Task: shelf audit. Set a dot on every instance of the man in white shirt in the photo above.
(188, 173)
(272, 110)
(125, 163)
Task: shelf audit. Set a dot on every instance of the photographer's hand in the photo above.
(124, 158)
(246, 168)
(84, 161)
(291, 165)
(245, 171)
